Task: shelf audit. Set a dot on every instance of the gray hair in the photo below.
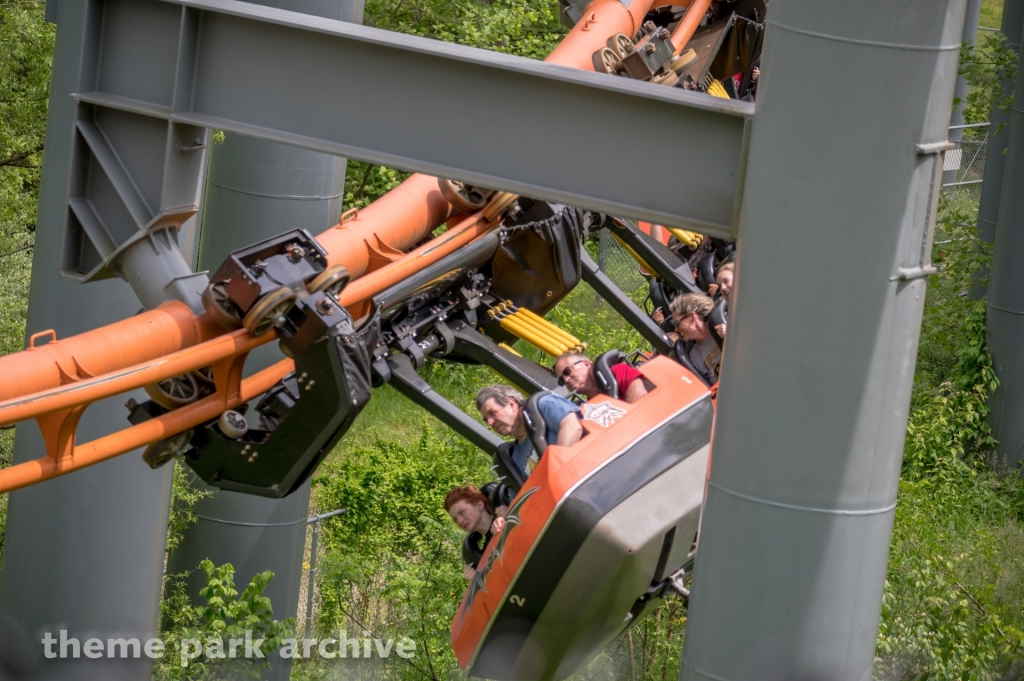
(500, 394)
(571, 354)
(687, 303)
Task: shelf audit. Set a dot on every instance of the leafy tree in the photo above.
(216, 634)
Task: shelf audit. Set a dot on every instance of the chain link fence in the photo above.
(961, 180)
(964, 166)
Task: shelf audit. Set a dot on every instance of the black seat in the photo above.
(505, 469)
(603, 375)
(498, 494)
(473, 546)
(536, 429)
(719, 315)
(706, 272)
(683, 357)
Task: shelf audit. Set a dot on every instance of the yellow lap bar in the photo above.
(529, 336)
(554, 329)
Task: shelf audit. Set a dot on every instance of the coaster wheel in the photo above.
(686, 59)
(220, 307)
(464, 198)
(174, 392)
(161, 452)
(269, 311)
(333, 280)
(606, 61)
(621, 45)
(668, 79)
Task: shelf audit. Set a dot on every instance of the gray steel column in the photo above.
(819, 364)
(83, 553)
(1005, 318)
(960, 90)
(257, 189)
(995, 157)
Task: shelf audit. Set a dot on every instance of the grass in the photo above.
(991, 13)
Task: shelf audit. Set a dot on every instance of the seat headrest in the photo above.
(536, 429)
(603, 375)
(505, 469)
(718, 315)
(680, 355)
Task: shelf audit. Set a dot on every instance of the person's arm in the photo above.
(569, 430)
(636, 390)
(468, 571)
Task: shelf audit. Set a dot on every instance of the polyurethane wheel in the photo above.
(606, 61)
(174, 392)
(233, 424)
(161, 452)
(269, 311)
(220, 307)
(680, 63)
(464, 198)
(620, 44)
(669, 79)
(333, 280)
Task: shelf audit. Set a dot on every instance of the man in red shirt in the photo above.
(577, 372)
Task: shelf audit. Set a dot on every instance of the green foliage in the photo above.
(26, 42)
(391, 564)
(227, 618)
(184, 497)
(989, 65)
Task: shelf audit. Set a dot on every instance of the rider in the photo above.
(577, 372)
(501, 407)
(690, 311)
(472, 512)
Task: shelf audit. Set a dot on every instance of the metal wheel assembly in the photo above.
(269, 311)
(220, 306)
(620, 44)
(606, 61)
(669, 78)
(174, 392)
(161, 452)
(233, 424)
(464, 198)
(682, 61)
(332, 280)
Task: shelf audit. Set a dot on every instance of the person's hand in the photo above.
(720, 330)
(658, 316)
(673, 336)
(497, 525)
(468, 571)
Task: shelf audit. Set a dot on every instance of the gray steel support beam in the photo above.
(83, 553)
(960, 90)
(1005, 318)
(555, 133)
(819, 363)
(995, 154)
(257, 189)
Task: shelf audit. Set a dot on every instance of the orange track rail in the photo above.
(56, 382)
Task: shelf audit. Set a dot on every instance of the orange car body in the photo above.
(594, 525)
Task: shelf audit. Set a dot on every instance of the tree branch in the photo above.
(13, 160)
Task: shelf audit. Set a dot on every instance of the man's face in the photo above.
(501, 419)
(691, 327)
(574, 372)
(467, 514)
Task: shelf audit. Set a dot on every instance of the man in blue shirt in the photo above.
(501, 408)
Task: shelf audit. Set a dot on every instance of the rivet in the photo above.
(251, 459)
